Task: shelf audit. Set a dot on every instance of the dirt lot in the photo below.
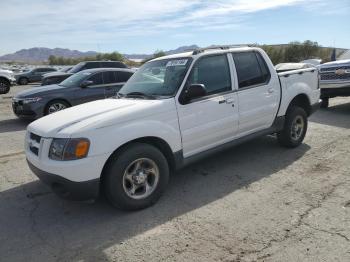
(255, 202)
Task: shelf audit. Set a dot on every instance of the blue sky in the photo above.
(143, 26)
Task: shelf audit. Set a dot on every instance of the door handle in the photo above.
(229, 101)
(270, 90)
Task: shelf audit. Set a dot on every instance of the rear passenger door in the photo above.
(114, 81)
(258, 92)
(110, 83)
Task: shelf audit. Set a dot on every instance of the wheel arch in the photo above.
(25, 77)
(5, 79)
(55, 99)
(157, 142)
(303, 101)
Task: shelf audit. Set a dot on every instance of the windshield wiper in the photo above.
(119, 95)
(139, 94)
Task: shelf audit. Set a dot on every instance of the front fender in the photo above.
(106, 140)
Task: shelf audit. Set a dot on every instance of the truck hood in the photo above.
(335, 63)
(98, 114)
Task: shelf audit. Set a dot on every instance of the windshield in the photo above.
(65, 69)
(158, 78)
(76, 68)
(75, 80)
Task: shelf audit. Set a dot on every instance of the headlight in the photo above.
(31, 100)
(64, 149)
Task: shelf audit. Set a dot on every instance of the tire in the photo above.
(117, 186)
(59, 104)
(325, 102)
(4, 86)
(295, 128)
(23, 81)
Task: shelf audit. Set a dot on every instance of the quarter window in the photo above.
(251, 69)
(213, 72)
(123, 77)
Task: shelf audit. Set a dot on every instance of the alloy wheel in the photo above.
(140, 178)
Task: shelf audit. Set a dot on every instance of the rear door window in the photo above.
(123, 77)
(251, 69)
(109, 77)
(91, 65)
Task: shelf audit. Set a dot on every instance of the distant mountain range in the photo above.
(41, 54)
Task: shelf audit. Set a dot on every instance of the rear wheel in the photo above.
(23, 81)
(295, 127)
(55, 106)
(4, 86)
(325, 102)
(136, 177)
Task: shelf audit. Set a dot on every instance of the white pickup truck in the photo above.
(174, 110)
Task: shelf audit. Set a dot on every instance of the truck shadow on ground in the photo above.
(35, 225)
(337, 115)
(13, 125)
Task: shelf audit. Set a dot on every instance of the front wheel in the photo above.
(136, 177)
(4, 86)
(23, 81)
(295, 127)
(55, 106)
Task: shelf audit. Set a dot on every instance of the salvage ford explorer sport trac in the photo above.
(174, 110)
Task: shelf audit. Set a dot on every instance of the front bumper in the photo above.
(334, 84)
(315, 107)
(31, 110)
(334, 92)
(13, 81)
(67, 189)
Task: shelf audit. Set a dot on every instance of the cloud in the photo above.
(73, 22)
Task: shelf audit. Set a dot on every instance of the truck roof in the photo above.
(209, 50)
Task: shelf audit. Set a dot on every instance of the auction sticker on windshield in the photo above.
(178, 62)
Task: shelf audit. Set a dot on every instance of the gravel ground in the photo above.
(255, 202)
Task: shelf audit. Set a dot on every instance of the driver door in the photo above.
(212, 120)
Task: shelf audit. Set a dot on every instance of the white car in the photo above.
(7, 79)
(174, 110)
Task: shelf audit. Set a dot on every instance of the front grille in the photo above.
(34, 150)
(334, 68)
(34, 143)
(17, 102)
(35, 137)
(333, 76)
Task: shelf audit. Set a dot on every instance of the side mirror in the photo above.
(86, 83)
(194, 91)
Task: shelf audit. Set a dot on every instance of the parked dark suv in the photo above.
(58, 77)
(82, 87)
(33, 75)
